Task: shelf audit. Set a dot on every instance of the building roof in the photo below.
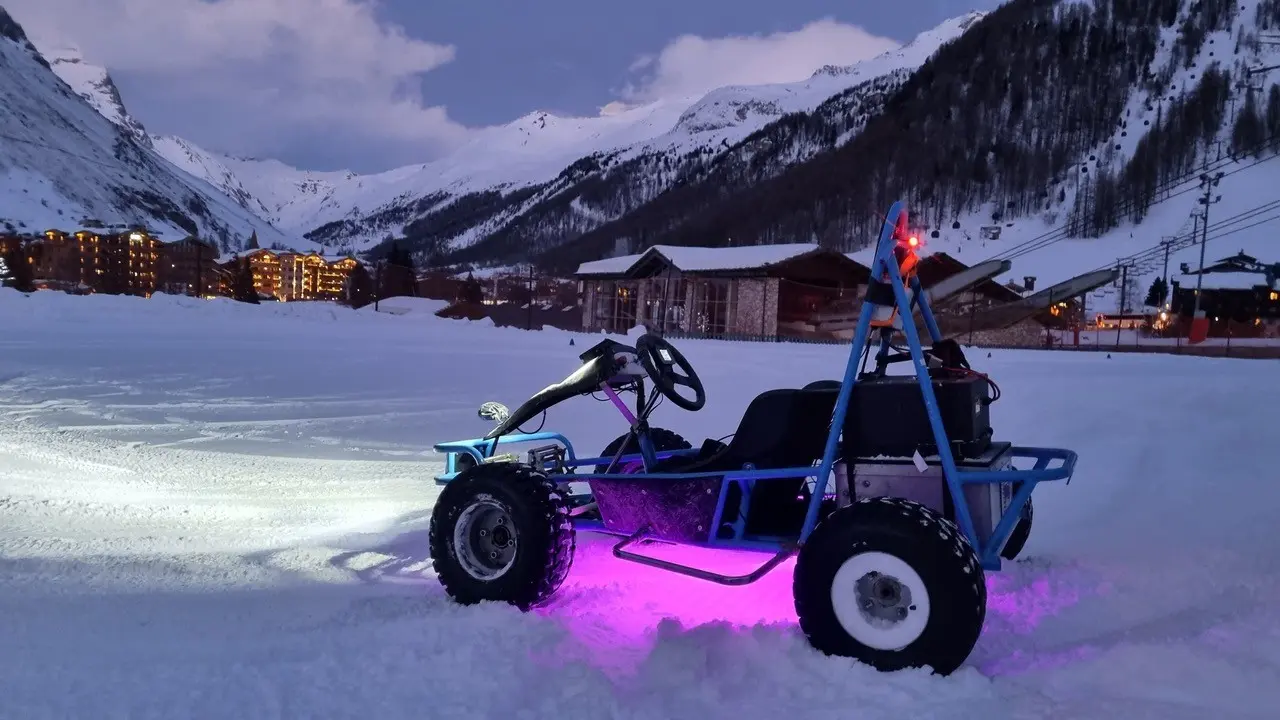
(702, 259)
(1223, 281)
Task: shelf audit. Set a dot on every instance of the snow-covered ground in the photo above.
(218, 510)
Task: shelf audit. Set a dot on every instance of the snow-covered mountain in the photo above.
(1066, 137)
(506, 171)
(984, 133)
(544, 179)
(95, 86)
(74, 158)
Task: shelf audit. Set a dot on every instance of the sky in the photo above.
(369, 85)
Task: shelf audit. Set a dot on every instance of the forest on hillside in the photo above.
(1023, 106)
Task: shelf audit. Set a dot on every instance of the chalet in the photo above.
(1236, 289)
(753, 291)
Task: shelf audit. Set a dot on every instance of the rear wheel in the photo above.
(1021, 531)
(663, 439)
(501, 532)
(892, 584)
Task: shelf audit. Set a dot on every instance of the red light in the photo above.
(913, 241)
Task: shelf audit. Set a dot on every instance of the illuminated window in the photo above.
(1275, 296)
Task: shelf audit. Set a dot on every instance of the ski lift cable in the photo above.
(1058, 234)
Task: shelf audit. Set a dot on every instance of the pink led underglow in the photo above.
(616, 608)
(616, 612)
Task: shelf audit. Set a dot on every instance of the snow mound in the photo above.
(403, 305)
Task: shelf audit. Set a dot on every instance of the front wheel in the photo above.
(501, 532)
(662, 438)
(892, 584)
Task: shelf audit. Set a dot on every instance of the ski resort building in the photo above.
(188, 267)
(265, 266)
(1238, 295)
(765, 291)
(134, 262)
(786, 292)
(121, 263)
(290, 276)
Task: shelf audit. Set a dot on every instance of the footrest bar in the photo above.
(620, 552)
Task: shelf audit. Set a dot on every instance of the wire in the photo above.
(1190, 239)
(540, 425)
(1059, 234)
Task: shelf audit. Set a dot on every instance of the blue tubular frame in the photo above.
(884, 266)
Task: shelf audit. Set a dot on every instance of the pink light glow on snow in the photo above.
(1019, 604)
(617, 613)
(618, 609)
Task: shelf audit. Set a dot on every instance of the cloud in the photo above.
(259, 76)
(691, 65)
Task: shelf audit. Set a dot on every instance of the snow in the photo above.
(63, 163)
(532, 149)
(704, 259)
(1243, 219)
(1223, 280)
(402, 305)
(94, 85)
(215, 509)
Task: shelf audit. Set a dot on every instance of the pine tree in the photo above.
(242, 288)
(1157, 294)
(359, 287)
(253, 241)
(1273, 113)
(20, 276)
(397, 275)
(471, 292)
(1250, 129)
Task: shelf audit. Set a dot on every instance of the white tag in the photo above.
(918, 459)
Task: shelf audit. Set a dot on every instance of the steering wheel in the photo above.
(660, 359)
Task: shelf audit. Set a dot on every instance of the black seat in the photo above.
(780, 429)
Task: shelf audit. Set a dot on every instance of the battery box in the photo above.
(887, 417)
(879, 477)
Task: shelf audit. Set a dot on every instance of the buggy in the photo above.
(890, 491)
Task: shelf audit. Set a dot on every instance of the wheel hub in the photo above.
(485, 540)
(883, 597)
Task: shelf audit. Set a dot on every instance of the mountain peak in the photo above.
(61, 52)
(93, 83)
(78, 157)
(914, 52)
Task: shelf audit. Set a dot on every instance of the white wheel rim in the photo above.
(876, 626)
(473, 540)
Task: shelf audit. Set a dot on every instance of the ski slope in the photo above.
(218, 510)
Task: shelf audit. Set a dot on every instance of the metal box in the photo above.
(894, 477)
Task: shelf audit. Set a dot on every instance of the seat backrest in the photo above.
(781, 429)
